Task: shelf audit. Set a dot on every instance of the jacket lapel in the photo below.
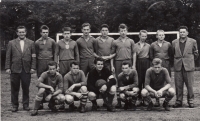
(186, 46)
(18, 46)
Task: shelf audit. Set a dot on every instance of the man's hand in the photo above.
(58, 68)
(8, 71)
(103, 88)
(159, 93)
(156, 94)
(52, 89)
(32, 71)
(71, 88)
(121, 89)
(133, 67)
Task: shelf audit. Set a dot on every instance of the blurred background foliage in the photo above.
(137, 14)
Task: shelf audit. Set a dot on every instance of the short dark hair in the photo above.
(86, 24)
(126, 63)
(156, 61)
(104, 26)
(52, 63)
(122, 26)
(66, 29)
(74, 63)
(21, 27)
(45, 27)
(98, 59)
(143, 31)
(183, 27)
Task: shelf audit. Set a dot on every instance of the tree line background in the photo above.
(137, 14)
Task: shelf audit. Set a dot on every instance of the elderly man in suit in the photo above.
(20, 63)
(185, 52)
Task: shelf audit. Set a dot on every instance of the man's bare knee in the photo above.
(135, 89)
(113, 90)
(144, 92)
(69, 99)
(122, 96)
(171, 91)
(91, 96)
(41, 91)
(83, 89)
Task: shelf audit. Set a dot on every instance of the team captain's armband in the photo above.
(33, 55)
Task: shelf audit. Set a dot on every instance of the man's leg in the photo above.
(15, 85)
(179, 88)
(63, 67)
(92, 97)
(189, 79)
(134, 95)
(70, 101)
(169, 94)
(111, 95)
(84, 65)
(124, 99)
(146, 95)
(83, 100)
(90, 64)
(25, 82)
(38, 99)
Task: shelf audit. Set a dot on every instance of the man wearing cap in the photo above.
(101, 81)
(128, 85)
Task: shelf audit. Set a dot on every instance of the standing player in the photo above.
(45, 50)
(163, 50)
(143, 61)
(157, 84)
(47, 83)
(185, 52)
(101, 81)
(86, 45)
(20, 63)
(66, 51)
(75, 87)
(103, 46)
(128, 85)
(124, 49)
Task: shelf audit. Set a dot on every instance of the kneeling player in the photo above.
(157, 84)
(75, 87)
(47, 83)
(101, 81)
(128, 86)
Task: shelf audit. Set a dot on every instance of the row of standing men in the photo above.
(23, 53)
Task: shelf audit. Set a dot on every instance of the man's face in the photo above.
(67, 34)
(143, 36)
(44, 33)
(99, 65)
(52, 70)
(183, 33)
(157, 68)
(160, 36)
(86, 30)
(75, 69)
(125, 69)
(21, 33)
(104, 31)
(123, 32)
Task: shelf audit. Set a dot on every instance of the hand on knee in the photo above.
(91, 96)
(122, 96)
(83, 89)
(171, 91)
(69, 99)
(113, 90)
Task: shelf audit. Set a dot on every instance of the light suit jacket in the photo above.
(16, 59)
(187, 58)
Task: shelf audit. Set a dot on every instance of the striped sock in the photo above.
(84, 98)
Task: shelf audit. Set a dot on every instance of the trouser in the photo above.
(166, 64)
(64, 66)
(86, 64)
(182, 77)
(25, 79)
(142, 64)
(42, 66)
(167, 94)
(107, 64)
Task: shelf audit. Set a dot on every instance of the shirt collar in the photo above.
(128, 73)
(41, 39)
(162, 42)
(140, 43)
(73, 73)
(54, 75)
(121, 38)
(21, 39)
(184, 41)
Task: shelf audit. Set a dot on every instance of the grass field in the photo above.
(158, 114)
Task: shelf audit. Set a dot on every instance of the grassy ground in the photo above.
(181, 114)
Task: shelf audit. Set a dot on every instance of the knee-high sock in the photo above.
(84, 98)
(38, 100)
(133, 99)
(110, 99)
(148, 99)
(104, 96)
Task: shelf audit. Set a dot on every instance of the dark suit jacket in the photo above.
(16, 59)
(187, 58)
